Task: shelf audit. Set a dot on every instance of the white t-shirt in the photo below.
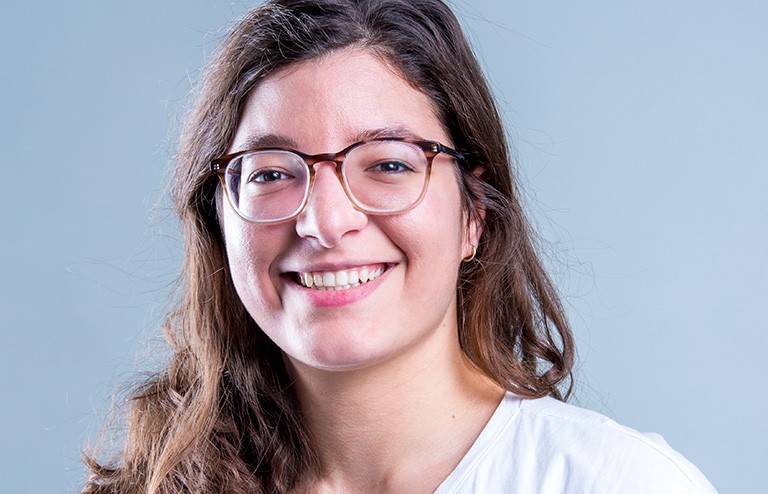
(545, 446)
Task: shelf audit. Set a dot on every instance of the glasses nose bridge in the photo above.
(337, 159)
(316, 159)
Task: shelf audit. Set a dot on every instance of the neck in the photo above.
(380, 428)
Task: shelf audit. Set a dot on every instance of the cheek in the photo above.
(251, 251)
(431, 235)
(442, 215)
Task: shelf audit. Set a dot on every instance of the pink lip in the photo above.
(336, 298)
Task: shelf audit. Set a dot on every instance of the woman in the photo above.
(362, 307)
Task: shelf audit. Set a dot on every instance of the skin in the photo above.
(383, 385)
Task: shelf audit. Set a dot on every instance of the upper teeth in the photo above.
(339, 280)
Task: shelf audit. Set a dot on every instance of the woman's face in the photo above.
(322, 106)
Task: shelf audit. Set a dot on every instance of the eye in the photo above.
(390, 167)
(267, 176)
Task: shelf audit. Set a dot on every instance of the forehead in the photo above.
(332, 101)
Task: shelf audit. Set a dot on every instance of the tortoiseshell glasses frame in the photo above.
(382, 176)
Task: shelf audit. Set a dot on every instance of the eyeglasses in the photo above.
(379, 176)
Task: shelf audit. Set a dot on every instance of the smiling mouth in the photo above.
(339, 280)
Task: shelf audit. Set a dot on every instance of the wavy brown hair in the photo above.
(222, 416)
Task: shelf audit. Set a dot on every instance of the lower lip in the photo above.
(337, 298)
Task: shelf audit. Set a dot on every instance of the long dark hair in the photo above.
(222, 416)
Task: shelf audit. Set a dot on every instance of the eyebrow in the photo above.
(387, 132)
(257, 141)
(268, 140)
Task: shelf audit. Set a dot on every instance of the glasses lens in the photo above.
(267, 185)
(386, 176)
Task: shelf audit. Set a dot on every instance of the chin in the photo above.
(343, 356)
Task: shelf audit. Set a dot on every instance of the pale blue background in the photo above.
(641, 132)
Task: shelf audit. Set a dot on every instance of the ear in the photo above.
(475, 215)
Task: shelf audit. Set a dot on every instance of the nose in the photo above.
(328, 215)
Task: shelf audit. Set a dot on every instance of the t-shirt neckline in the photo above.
(500, 419)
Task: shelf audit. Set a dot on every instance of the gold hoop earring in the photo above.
(472, 257)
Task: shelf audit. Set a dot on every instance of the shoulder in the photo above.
(548, 446)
